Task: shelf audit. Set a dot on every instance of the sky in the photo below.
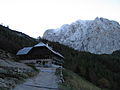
(33, 17)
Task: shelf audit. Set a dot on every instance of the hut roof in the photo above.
(27, 49)
(39, 44)
(24, 51)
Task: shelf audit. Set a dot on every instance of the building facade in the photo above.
(40, 55)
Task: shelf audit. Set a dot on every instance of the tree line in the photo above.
(102, 70)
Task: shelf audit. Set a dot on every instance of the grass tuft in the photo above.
(75, 82)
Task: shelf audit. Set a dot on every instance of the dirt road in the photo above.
(45, 80)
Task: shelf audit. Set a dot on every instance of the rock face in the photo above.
(96, 36)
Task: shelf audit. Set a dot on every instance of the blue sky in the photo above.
(33, 17)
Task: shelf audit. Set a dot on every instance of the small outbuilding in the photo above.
(40, 55)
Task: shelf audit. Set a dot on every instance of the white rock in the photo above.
(96, 36)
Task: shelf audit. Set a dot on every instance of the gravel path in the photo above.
(45, 80)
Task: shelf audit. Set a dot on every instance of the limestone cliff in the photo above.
(96, 36)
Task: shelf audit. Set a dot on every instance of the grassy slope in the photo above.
(75, 82)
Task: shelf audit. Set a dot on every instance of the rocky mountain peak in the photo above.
(96, 36)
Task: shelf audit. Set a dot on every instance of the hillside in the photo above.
(12, 41)
(97, 36)
(101, 70)
(11, 72)
(76, 82)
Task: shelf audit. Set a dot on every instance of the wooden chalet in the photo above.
(41, 55)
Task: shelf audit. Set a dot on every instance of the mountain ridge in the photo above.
(96, 36)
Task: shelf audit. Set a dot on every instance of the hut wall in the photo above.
(37, 53)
